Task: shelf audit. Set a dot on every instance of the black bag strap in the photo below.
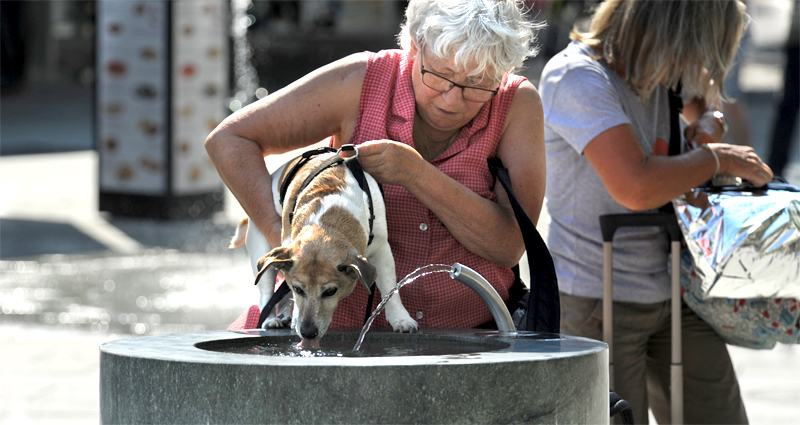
(675, 109)
(543, 309)
(621, 407)
(675, 137)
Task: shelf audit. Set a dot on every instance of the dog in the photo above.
(325, 248)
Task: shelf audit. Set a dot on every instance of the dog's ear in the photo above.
(357, 267)
(280, 258)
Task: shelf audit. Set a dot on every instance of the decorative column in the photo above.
(163, 84)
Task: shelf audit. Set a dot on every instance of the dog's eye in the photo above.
(298, 291)
(329, 292)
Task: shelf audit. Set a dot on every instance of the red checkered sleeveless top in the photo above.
(416, 236)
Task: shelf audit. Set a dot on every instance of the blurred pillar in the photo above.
(162, 86)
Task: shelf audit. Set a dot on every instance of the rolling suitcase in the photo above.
(608, 225)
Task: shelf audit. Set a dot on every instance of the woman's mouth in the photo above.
(443, 112)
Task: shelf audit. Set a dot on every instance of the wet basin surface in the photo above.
(341, 345)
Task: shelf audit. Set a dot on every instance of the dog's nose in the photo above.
(308, 331)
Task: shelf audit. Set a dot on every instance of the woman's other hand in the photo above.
(707, 129)
(741, 161)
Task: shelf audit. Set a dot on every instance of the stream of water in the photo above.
(416, 274)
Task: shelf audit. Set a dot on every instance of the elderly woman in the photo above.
(425, 118)
(607, 123)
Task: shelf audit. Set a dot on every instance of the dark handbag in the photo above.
(537, 309)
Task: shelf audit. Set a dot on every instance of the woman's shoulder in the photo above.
(574, 73)
(576, 61)
(525, 97)
(351, 66)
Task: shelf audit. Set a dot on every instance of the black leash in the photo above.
(358, 173)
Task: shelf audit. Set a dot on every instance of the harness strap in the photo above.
(370, 300)
(352, 164)
(300, 162)
(358, 173)
(273, 301)
(283, 290)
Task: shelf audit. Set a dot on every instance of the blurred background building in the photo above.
(49, 48)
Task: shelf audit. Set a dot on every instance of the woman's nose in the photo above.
(453, 96)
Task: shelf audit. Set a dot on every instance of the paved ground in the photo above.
(72, 278)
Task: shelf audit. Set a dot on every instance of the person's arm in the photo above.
(641, 182)
(321, 104)
(488, 229)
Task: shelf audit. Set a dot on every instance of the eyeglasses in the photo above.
(436, 82)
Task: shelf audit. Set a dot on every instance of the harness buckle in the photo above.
(349, 148)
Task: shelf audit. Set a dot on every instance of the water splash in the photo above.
(416, 274)
(245, 75)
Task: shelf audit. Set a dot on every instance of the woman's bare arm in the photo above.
(323, 103)
(641, 182)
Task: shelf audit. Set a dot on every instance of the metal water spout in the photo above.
(488, 294)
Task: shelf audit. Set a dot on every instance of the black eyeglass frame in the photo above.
(424, 71)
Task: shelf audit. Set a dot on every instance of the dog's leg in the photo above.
(257, 247)
(396, 313)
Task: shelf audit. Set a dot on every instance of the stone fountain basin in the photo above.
(473, 376)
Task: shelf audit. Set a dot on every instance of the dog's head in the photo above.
(320, 273)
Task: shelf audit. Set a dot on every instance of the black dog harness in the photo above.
(355, 167)
(352, 164)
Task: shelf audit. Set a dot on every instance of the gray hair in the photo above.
(667, 41)
(495, 34)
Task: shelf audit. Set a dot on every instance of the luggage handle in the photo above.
(609, 224)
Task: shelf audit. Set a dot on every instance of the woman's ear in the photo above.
(412, 48)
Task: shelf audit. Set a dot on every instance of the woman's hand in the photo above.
(707, 129)
(741, 161)
(391, 162)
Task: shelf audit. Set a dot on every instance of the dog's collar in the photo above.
(352, 164)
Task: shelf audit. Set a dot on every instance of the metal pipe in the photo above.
(608, 307)
(676, 370)
(488, 294)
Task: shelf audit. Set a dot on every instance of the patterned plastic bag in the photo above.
(757, 323)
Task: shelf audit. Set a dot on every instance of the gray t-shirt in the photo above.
(583, 98)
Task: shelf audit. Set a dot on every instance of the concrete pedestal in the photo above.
(522, 378)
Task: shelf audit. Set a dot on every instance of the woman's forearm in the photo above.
(484, 227)
(241, 166)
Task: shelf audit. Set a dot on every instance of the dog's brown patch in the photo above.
(340, 219)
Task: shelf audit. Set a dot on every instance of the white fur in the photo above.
(378, 253)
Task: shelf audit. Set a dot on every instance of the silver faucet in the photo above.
(488, 294)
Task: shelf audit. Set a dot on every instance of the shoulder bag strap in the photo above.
(543, 310)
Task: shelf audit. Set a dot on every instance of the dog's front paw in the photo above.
(281, 321)
(404, 324)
